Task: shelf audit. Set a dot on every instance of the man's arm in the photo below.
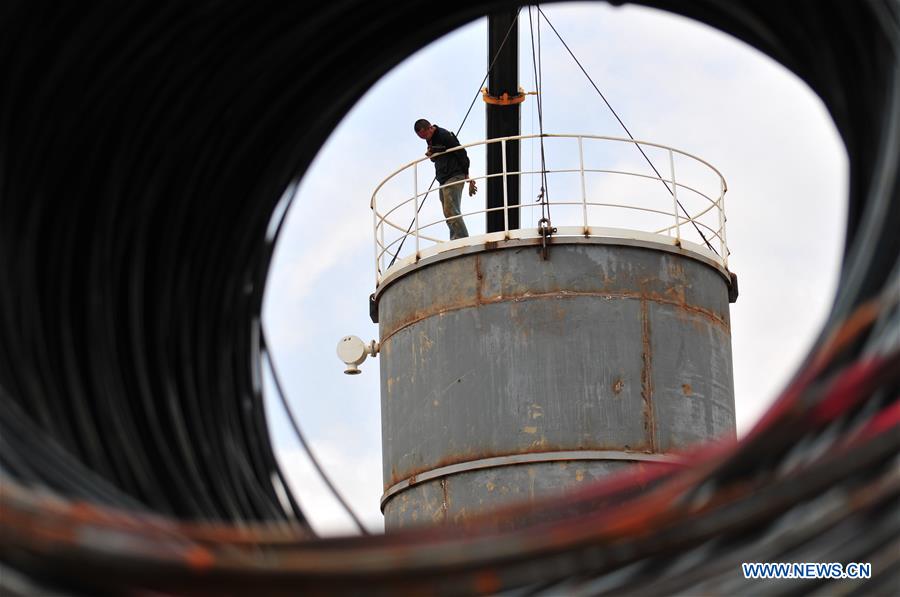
(444, 140)
(462, 158)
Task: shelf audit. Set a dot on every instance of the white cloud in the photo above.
(357, 476)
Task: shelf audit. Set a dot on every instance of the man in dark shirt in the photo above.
(451, 171)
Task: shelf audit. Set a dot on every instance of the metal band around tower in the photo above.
(496, 461)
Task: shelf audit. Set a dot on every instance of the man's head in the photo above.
(424, 129)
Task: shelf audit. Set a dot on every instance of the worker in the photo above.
(451, 171)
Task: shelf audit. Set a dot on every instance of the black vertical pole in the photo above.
(503, 121)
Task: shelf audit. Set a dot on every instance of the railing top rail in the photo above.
(547, 136)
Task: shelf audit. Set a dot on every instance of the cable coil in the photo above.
(143, 150)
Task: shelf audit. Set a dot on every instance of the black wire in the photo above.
(301, 437)
(636, 144)
(122, 294)
(458, 130)
(43, 462)
(537, 65)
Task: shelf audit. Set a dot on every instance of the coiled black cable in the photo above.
(143, 151)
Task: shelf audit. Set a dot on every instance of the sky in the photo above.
(672, 81)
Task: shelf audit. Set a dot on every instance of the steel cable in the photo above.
(659, 176)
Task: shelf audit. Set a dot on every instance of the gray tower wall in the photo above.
(505, 377)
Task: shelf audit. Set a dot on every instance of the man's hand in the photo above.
(472, 188)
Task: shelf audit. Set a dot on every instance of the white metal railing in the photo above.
(588, 198)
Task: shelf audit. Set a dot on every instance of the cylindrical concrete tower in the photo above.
(506, 375)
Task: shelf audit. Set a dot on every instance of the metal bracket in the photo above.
(373, 307)
(505, 99)
(546, 231)
(733, 287)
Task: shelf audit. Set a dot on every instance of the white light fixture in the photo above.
(353, 351)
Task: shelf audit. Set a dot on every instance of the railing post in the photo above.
(583, 190)
(505, 204)
(416, 203)
(674, 198)
(375, 238)
(723, 245)
(381, 234)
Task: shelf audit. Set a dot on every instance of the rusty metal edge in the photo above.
(647, 378)
(514, 459)
(488, 242)
(564, 294)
